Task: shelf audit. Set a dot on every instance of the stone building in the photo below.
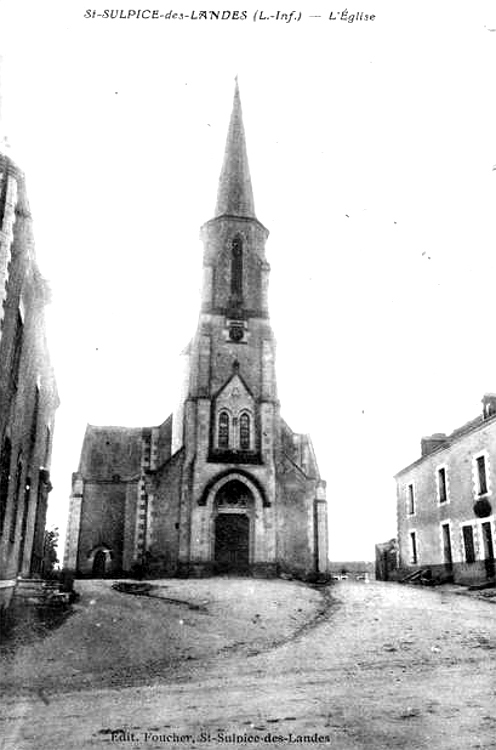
(386, 560)
(223, 484)
(28, 394)
(446, 501)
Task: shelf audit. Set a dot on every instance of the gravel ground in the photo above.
(386, 666)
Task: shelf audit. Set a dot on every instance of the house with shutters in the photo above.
(28, 392)
(446, 503)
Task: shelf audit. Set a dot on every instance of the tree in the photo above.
(50, 558)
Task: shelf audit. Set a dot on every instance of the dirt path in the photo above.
(116, 639)
(390, 667)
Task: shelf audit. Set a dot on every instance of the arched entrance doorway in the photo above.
(234, 505)
(98, 570)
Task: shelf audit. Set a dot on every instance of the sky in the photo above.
(372, 154)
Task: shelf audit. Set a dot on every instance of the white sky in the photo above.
(371, 149)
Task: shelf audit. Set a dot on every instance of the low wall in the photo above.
(467, 574)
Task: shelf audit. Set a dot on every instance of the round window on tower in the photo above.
(236, 333)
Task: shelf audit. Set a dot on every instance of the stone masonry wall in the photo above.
(459, 462)
(102, 523)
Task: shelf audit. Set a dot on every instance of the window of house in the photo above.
(48, 437)
(481, 475)
(4, 479)
(15, 503)
(468, 542)
(413, 547)
(244, 432)
(442, 486)
(34, 422)
(3, 197)
(223, 430)
(25, 511)
(16, 351)
(446, 536)
(410, 500)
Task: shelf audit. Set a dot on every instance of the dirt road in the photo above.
(388, 667)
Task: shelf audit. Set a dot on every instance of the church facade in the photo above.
(223, 485)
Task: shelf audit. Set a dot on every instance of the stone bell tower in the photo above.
(232, 430)
(223, 485)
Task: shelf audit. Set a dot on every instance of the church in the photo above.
(223, 485)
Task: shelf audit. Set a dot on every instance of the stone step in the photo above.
(27, 588)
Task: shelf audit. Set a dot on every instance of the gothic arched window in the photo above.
(237, 269)
(223, 430)
(244, 432)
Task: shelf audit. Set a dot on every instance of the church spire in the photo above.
(235, 195)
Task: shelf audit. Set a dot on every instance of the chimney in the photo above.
(488, 405)
(4, 141)
(2, 137)
(431, 443)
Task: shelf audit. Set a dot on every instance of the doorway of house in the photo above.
(99, 564)
(232, 543)
(448, 556)
(487, 537)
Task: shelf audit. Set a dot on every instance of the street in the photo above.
(386, 666)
